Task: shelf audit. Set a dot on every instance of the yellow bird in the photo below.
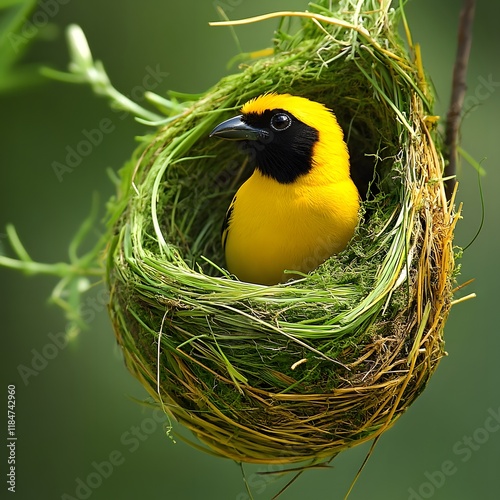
(300, 205)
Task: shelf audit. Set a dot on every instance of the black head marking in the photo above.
(286, 153)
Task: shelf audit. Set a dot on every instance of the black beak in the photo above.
(237, 130)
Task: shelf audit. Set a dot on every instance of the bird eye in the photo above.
(280, 122)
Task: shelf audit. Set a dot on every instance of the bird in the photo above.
(299, 206)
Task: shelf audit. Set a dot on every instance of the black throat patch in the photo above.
(284, 155)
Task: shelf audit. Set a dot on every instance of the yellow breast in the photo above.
(276, 227)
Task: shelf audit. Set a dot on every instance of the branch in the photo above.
(458, 92)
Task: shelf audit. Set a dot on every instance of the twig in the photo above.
(458, 92)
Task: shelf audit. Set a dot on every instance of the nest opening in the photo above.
(198, 192)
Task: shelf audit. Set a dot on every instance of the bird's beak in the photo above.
(237, 130)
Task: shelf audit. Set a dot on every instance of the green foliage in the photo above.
(14, 41)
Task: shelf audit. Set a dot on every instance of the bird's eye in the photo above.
(280, 122)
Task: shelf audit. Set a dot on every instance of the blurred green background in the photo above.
(74, 412)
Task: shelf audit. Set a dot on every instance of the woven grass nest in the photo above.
(302, 370)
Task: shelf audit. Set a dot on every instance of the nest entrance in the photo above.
(198, 192)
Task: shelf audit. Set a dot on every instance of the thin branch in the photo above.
(458, 92)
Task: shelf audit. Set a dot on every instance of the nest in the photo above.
(302, 370)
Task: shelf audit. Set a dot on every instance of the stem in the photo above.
(61, 269)
(459, 88)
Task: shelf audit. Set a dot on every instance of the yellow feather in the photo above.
(273, 227)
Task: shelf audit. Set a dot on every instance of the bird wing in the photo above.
(225, 224)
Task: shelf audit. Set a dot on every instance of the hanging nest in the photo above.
(302, 370)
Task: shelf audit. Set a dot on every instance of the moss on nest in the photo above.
(303, 370)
